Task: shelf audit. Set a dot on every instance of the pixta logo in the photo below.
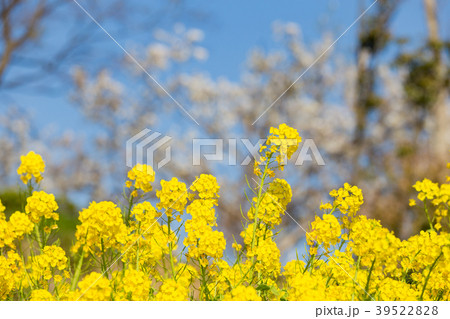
(215, 150)
(152, 148)
(142, 148)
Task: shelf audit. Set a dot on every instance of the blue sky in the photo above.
(232, 29)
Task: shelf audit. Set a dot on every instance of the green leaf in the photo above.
(263, 287)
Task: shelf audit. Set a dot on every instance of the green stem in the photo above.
(23, 264)
(355, 278)
(366, 290)
(138, 246)
(29, 188)
(172, 268)
(204, 293)
(258, 201)
(255, 223)
(128, 214)
(77, 274)
(38, 236)
(428, 276)
(104, 267)
(428, 216)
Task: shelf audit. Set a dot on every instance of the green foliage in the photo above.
(68, 212)
(421, 84)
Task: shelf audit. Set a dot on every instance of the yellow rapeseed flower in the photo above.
(32, 165)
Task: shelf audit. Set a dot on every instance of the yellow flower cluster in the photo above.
(101, 228)
(212, 243)
(206, 187)
(18, 225)
(370, 241)
(269, 210)
(147, 249)
(48, 265)
(427, 189)
(347, 199)
(41, 295)
(141, 250)
(325, 230)
(132, 285)
(427, 258)
(202, 240)
(307, 286)
(32, 165)
(281, 190)
(243, 293)
(140, 177)
(281, 142)
(2, 209)
(144, 215)
(93, 287)
(6, 278)
(273, 205)
(268, 258)
(171, 290)
(438, 196)
(173, 196)
(40, 204)
(389, 289)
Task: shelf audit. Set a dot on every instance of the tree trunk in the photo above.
(440, 137)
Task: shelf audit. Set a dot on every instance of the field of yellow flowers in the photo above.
(133, 251)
